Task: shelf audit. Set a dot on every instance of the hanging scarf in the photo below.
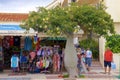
(35, 39)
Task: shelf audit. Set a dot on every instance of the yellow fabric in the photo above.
(44, 63)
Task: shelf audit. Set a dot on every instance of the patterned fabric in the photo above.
(56, 62)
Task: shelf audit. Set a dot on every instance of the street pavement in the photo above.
(96, 73)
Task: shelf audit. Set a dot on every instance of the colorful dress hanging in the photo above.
(38, 44)
(28, 43)
(35, 39)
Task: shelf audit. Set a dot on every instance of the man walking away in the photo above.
(108, 58)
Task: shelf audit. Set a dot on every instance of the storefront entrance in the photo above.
(10, 46)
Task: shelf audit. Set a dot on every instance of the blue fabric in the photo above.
(23, 59)
(35, 39)
(88, 61)
(28, 44)
(37, 70)
(14, 61)
(21, 50)
(107, 63)
(10, 27)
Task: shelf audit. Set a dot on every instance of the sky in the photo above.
(22, 6)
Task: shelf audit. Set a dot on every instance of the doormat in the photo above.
(16, 74)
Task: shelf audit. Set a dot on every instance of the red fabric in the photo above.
(108, 56)
(41, 64)
(11, 41)
(38, 44)
(56, 59)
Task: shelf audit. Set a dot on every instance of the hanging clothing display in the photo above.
(27, 43)
(6, 42)
(35, 39)
(37, 44)
(16, 40)
(1, 56)
(11, 42)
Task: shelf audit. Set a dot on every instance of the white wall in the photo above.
(113, 8)
(117, 27)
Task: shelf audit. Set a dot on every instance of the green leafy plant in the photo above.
(81, 76)
(15, 49)
(65, 75)
(92, 44)
(113, 42)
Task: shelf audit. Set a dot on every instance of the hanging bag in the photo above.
(113, 65)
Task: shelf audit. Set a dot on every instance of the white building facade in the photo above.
(113, 9)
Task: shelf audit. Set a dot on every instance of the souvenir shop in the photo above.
(16, 42)
(10, 45)
(12, 41)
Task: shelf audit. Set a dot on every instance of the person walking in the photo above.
(88, 59)
(108, 58)
(79, 60)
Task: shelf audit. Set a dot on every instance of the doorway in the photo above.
(10, 45)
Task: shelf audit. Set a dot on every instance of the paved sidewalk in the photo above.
(96, 73)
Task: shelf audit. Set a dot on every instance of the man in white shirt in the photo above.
(88, 59)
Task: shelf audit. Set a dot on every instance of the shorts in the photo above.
(88, 61)
(107, 63)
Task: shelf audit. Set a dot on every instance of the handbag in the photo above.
(113, 65)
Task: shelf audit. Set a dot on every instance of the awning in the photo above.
(14, 30)
(54, 39)
(10, 27)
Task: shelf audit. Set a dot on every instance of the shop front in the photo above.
(12, 41)
(15, 40)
